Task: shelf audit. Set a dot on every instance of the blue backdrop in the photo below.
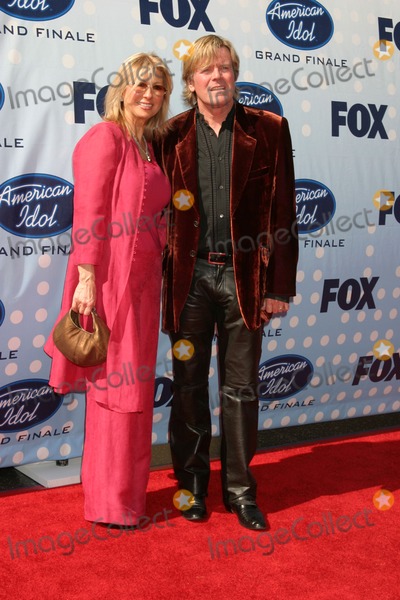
(332, 69)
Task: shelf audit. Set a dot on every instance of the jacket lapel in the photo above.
(186, 154)
(243, 148)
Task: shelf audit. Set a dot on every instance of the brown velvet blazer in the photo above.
(262, 205)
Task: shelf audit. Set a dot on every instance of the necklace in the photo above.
(144, 150)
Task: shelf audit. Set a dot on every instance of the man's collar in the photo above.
(228, 121)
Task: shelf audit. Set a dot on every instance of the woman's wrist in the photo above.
(86, 273)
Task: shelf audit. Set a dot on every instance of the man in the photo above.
(230, 264)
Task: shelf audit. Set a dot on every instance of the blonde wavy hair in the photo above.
(202, 53)
(138, 67)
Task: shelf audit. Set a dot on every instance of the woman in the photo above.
(115, 266)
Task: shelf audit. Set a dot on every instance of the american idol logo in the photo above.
(36, 10)
(256, 96)
(283, 377)
(2, 96)
(36, 205)
(315, 205)
(305, 25)
(24, 404)
(162, 392)
(2, 312)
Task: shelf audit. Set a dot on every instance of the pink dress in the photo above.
(114, 185)
(117, 448)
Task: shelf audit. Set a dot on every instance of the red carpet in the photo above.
(328, 538)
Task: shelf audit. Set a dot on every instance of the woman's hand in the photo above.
(84, 298)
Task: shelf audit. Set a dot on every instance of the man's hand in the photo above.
(271, 306)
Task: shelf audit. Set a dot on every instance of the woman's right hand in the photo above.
(84, 298)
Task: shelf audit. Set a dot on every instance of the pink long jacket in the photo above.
(108, 197)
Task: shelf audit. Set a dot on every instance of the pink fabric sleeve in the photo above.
(95, 161)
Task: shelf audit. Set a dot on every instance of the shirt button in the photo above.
(220, 158)
(196, 223)
(192, 253)
(221, 216)
(221, 187)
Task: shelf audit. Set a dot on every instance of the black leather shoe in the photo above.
(198, 510)
(249, 515)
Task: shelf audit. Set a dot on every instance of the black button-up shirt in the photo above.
(214, 155)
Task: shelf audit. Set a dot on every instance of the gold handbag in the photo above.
(83, 348)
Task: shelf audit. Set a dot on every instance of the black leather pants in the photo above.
(212, 301)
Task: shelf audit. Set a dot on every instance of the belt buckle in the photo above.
(215, 261)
